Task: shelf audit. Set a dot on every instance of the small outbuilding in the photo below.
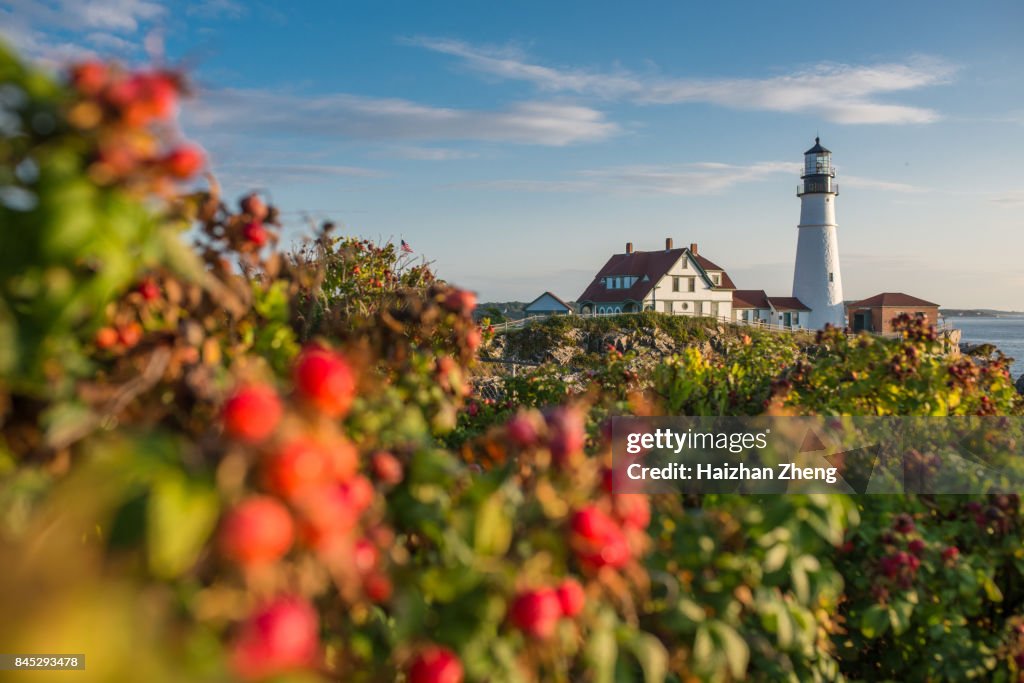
(547, 304)
(875, 314)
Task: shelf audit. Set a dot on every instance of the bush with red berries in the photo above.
(263, 464)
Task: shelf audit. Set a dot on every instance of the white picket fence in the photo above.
(757, 324)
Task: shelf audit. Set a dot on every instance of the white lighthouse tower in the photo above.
(816, 279)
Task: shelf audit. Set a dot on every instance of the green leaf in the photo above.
(493, 529)
(652, 655)
(180, 517)
(776, 557)
(899, 616)
(992, 591)
(734, 647)
(602, 650)
(875, 621)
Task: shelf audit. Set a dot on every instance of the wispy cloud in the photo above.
(35, 26)
(215, 9)
(702, 178)
(368, 118)
(251, 174)
(842, 93)
(862, 183)
(1010, 200)
(414, 153)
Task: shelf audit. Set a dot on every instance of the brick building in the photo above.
(875, 314)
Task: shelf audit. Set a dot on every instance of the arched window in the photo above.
(618, 309)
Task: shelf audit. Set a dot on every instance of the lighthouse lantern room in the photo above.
(816, 277)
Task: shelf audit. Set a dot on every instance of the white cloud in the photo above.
(701, 178)
(425, 153)
(254, 174)
(882, 185)
(35, 26)
(1010, 200)
(841, 93)
(215, 9)
(367, 118)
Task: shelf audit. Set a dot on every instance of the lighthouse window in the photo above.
(831, 277)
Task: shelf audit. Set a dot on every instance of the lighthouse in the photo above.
(816, 278)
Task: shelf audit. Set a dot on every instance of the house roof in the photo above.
(787, 303)
(650, 264)
(886, 299)
(553, 296)
(750, 298)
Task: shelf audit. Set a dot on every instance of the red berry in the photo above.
(536, 612)
(149, 290)
(279, 637)
(358, 492)
(254, 233)
(144, 97)
(903, 523)
(364, 556)
(106, 337)
(613, 552)
(184, 162)
(436, 664)
(326, 381)
(571, 597)
(950, 554)
(474, 338)
(592, 524)
(916, 547)
(633, 509)
(567, 433)
(305, 464)
(330, 513)
(253, 205)
(522, 430)
(387, 468)
(90, 77)
(257, 531)
(460, 301)
(252, 413)
(129, 334)
(598, 540)
(377, 588)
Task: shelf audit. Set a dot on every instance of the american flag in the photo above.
(406, 248)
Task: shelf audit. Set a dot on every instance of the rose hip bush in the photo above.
(223, 461)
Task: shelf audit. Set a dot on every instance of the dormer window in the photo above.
(716, 278)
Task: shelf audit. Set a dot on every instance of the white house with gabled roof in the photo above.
(677, 281)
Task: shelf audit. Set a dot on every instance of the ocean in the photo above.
(1005, 333)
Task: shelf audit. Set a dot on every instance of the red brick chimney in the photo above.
(668, 244)
(693, 248)
(629, 247)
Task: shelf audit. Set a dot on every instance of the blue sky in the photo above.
(518, 146)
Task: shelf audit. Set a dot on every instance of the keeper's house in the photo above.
(678, 281)
(876, 313)
(756, 307)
